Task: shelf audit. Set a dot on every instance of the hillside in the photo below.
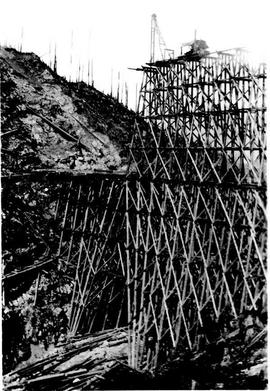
(48, 122)
(62, 245)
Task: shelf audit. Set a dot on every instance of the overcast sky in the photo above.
(116, 33)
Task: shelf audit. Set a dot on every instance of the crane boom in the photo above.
(157, 39)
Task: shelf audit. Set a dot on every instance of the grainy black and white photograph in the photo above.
(133, 195)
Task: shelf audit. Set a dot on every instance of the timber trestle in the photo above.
(198, 247)
(78, 220)
(179, 244)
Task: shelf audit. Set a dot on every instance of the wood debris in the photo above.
(79, 364)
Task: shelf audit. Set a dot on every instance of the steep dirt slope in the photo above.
(47, 122)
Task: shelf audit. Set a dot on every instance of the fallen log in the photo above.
(9, 133)
(34, 267)
(83, 361)
(89, 131)
(59, 130)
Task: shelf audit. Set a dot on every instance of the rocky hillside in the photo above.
(48, 122)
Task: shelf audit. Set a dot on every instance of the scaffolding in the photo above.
(176, 246)
(196, 217)
(78, 223)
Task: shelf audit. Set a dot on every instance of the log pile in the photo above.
(79, 364)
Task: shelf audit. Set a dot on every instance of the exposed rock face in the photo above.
(35, 101)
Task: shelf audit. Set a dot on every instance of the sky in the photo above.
(114, 35)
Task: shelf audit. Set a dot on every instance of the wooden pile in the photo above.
(79, 364)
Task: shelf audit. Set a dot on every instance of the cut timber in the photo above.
(82, 361)
(36, 266)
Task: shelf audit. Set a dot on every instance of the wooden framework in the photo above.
(196, 218)
(174, 247)
(84, 215)
(91, 236)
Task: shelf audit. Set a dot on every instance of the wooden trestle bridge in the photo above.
(179, 241)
